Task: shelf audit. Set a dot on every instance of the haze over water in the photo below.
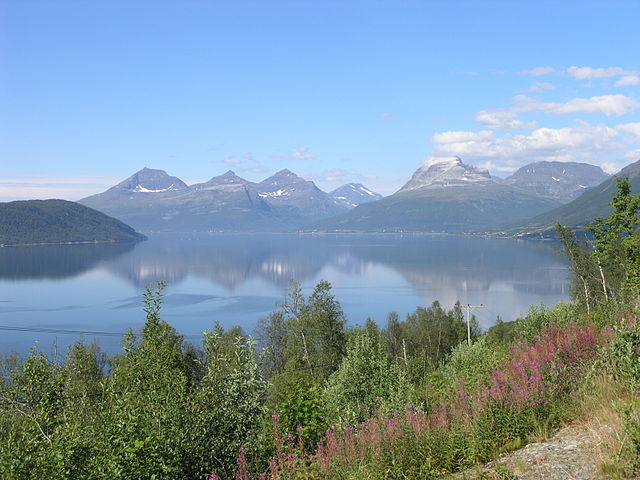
(236, 279)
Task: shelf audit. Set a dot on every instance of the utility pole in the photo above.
(469, 307)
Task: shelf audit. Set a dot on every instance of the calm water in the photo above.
(237, 279)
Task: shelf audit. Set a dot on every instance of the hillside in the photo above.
(454, 209)
(577, 213)
(59, 221)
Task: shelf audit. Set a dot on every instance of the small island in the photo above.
(44, 222)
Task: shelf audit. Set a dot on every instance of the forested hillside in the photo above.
(59, 221)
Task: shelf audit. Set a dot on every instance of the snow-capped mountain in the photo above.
(354, 194)
(152, 201)
(444, 195)
(561, 180)
(445, 172)
(149, 180)
(228, 179)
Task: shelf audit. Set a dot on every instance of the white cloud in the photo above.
(538, 71)
(539, 87)
(606, 104)
(633, 155)
(300, 153)
(335, 175)
(583, 73)
(386, 116)
(632, 79)
(503, 119)
(631, 128)
(232, 161)
(579, 142)
(461, 137)
(610, 167)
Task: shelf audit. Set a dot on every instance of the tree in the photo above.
(610, 269)
(366, 380)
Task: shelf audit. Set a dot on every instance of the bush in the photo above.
(365, 378)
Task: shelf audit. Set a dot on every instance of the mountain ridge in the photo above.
(151, 200)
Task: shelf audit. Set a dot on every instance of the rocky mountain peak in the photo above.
(151, 180)
(561, 180)
(353, 194)
(439, 172)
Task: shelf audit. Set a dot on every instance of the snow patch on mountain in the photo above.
(439, 172)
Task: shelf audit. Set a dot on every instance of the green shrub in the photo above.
(365, 377)
(541, 317)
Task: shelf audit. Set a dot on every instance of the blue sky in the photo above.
(336, 91)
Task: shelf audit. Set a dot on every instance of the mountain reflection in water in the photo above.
(235, 279)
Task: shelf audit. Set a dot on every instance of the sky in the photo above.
(335, 91)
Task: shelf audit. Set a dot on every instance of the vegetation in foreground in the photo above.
(319, 401)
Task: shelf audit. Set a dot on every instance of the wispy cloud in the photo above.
(503, 119)
(539, 87)
(300, 153)
(632, 129)
(607, 104)
(335, 175)
(64, 187)
(232, 161)
(539, 71)
(386, 116)
(633, 79)
(584, 73)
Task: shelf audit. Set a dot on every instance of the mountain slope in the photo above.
(454, 209)
(577, 213)
(59, 221)
(354, 194)
(563, 181)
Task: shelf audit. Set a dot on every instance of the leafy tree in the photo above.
(366, 379)
(610, 269)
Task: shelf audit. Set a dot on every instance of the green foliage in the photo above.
(472, 365)
(625, 355)
(305, 338)
(428, 335)
(159, 413)
(502, 333)
(302, 411)
(609, 272)
(229, 407)
(365, 381)
(59, 221)
(630, 453)
(541, 317)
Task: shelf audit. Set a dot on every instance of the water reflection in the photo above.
(236, 279)
(57, 261)
(446, 263)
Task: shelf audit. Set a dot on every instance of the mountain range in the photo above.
(152, 201)
(444, 195)
(576, 214)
